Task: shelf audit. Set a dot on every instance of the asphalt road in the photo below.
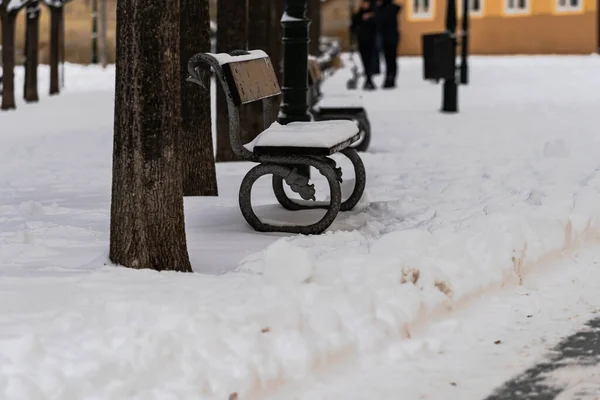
(570, 372)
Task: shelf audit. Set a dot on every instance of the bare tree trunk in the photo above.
(61, 42)
(198, 158)
(147, 228)
(232, 21)
(258, 38)
(31, 51)
(103, 28)
(8, 57)
(55, 18)
(314, 14)
(276, 48)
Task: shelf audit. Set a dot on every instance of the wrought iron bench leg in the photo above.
(360, 179)
(359, 187)
(282, 171)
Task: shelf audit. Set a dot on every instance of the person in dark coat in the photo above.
(365, 29)
(387, 27)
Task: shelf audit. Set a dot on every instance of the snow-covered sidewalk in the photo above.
(457, 204)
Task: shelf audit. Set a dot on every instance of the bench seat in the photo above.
(315, 138)
(340, 102)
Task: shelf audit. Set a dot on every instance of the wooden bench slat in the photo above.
(251, 80)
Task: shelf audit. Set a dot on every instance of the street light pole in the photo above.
(94, 31)
(450, 95)
(598, 24)
(464, 44)
(294, 104)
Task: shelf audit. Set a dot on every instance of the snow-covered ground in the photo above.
(460, 210)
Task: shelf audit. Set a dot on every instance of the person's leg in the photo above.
(391, 63)
(366, 55)
(376, 69)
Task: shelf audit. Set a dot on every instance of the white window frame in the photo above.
(472, 12)
(568, 7)
(421, 14)
(516, 10)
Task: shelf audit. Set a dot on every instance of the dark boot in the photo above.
(389, 83)
(369, 85)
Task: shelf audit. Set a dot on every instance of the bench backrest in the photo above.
(250, 77)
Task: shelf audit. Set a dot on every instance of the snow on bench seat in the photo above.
(310, 138)
(340, 101)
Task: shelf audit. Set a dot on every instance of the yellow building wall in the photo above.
(542, 30)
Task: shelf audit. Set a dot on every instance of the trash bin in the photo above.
(438, 62)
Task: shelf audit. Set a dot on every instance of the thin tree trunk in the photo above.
(276, 48)
(231, 35)
(31, 51)
(8, 58)
(55, 17)
(103, 28)
(258, 38)
(61, 41)
(314, 14)
(198, 158)
(147, 228)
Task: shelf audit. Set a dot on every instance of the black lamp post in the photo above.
(464, 44)
(94, 31)
(294, 104)
(450, 95)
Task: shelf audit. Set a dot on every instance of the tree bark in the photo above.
(32, 34)
(147, 228)
(232, 21)
(198, 159)
(275, 49)
(8, 57)
(314, 14)
(258, 38)
(55, 18)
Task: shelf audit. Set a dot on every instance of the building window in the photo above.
(475, 7)
(568, 5)
(422, 8)
(517, 6)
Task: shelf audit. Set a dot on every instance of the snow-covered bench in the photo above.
(346, 106)
(247, 77)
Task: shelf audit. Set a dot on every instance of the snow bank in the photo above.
(457, 204)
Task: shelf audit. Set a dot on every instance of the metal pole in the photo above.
(598, 24)
(94, 31)
(464, 44)
(294, 104)
(450, 95)
(62, 47)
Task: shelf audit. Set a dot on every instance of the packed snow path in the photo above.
(456, 204)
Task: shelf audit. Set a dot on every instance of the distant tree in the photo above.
(56, 8)
(147, 228)
(314, 14)
(232, 19)
(275, 48)
(259, 18)
(198, 158)
(32, 33)
(8, 16)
